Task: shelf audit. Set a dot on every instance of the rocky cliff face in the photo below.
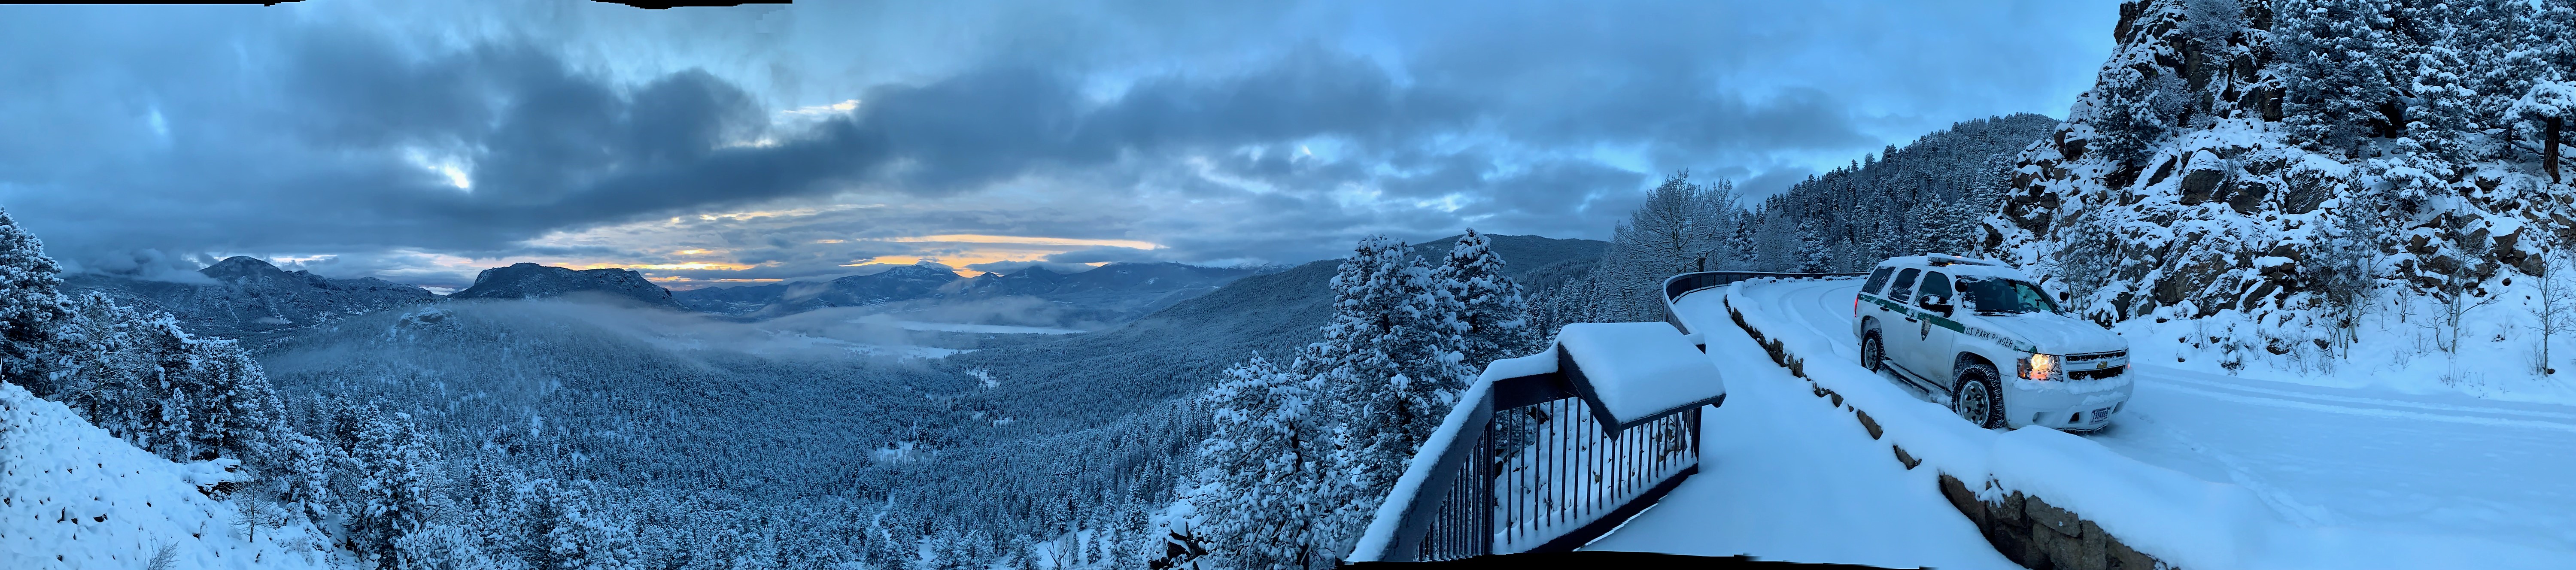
(532, 281)
(2230, 159)
(251, 299)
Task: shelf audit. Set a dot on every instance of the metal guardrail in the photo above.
(1677, 286)
(1544, 472)
(1522, 467)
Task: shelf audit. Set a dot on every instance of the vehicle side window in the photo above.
(1877, 279)
(1935, 283)
(1904, 286)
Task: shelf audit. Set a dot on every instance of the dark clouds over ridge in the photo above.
(310, 132)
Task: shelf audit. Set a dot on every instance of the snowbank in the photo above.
(72, 496)
(2179, 519)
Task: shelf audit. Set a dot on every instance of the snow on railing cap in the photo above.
(1640, 370)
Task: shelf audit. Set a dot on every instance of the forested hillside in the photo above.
(1103, 424)
(1924, 197)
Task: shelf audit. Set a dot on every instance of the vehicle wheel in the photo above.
(1979, 396)
(1873, 353)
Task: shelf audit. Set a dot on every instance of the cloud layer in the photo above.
(765, 143)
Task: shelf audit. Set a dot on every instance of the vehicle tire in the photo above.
(1978, 396)
(1873, 352)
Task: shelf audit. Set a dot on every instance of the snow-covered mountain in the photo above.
(532, 281)
(252, 299)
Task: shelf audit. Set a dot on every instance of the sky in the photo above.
(422, 142)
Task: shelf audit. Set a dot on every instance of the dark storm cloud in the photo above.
(1224, 134)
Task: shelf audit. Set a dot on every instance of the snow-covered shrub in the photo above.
(1266, 485)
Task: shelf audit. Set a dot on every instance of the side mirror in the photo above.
(1937, 304)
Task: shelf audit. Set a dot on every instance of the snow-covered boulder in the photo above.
(72, 496)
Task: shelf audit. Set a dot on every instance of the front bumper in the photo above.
(2071, 405)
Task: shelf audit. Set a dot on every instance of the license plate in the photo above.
(2101, 414)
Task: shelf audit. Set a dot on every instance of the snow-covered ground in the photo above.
(71, 496)
(2377, 468)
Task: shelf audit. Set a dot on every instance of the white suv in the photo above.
(1955, 325)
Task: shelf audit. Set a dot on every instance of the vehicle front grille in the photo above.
(2092, 356)
(2096, 374)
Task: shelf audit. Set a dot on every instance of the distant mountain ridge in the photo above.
(252, 299)
(917, 281)
(532, 281)
(1111, 293)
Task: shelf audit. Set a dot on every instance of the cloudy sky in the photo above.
(423, 141)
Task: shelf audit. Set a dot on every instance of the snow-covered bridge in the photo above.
(1813, 458)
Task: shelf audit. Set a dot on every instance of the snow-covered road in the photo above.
(2412, 464)
(1786, 476)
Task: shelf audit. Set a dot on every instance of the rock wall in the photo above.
(2178, 188)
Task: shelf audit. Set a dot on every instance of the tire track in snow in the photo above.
(2241, 385)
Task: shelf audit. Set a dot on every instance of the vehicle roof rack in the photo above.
(1946, 259)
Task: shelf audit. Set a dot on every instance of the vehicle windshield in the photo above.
(1987, 295)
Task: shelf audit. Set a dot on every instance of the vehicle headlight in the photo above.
(2043, 367)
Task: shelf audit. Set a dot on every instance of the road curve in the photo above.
(2325, 456)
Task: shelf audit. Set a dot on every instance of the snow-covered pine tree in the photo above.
(2339, 89)
(1814, 253)
(236, 413)
(1492, 306)
(555, 526)
(101, 365)
(144, 379)
(2442, 110)
(1775, 244)
(1264, 487)
(298, 472)
(1391, 365)
(395, 474)
(587, 538)
(2346, 264)
(31, 306)
(1948, 226)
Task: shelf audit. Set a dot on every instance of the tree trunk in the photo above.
(2549, 150)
